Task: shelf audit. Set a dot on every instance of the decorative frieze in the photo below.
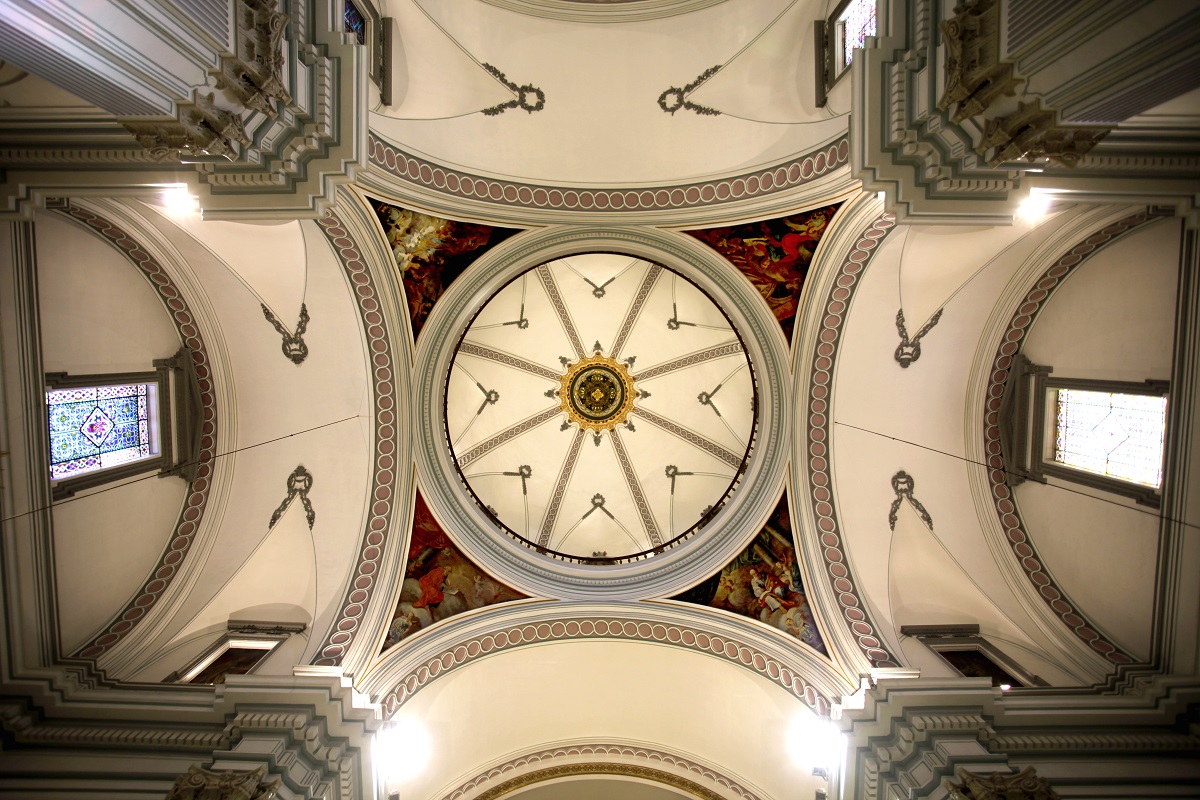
(201, 129)
(200, 784)
(1023, 785)
(254, 76)
(1033, 132)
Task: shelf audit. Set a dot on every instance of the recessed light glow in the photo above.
(402, 751)
(1034, 207)
(815, 743)
(1004, 687)
(178, 202)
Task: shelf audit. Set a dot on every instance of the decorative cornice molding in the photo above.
(933, 168)
(1000, 494)
(198, 490)
(609, 758)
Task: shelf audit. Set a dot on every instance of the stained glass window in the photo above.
(355, 23)
(1108, 433)
(855, 24)
(96, 427)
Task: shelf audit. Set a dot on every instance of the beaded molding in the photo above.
(819, 426)
(456, 183)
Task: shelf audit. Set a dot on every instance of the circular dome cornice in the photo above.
(665, 572)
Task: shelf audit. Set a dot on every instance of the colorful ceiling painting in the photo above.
(439, 581)
(774, 254)
(764, 583)
(431, 252)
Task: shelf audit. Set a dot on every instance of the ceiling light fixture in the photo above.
(179, 202)
(1034, 207)
(402, 751)
(815, 743)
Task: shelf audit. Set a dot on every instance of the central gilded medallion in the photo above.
(597, 393)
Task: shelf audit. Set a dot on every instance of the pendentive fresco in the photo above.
(774, 254)
(439, 581)
(764, 583)
(431, 252)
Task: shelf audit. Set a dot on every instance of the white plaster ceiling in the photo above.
(574, 496)
(602, 123)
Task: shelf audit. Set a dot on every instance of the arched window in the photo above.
(1109, 435)
(106, 427)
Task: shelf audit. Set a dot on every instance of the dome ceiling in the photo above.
(600, 406)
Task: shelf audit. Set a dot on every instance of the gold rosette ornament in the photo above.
(597, 393)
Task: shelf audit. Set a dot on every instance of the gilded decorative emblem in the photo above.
(597, 393)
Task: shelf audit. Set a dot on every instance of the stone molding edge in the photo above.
(813, 492)
(999, 492)
(689, 562)
(532, 766)
(927, 165)
(391, 469)
(197, 498)
(800, 671)
(530, 203)
(909, 733)
(603, 11)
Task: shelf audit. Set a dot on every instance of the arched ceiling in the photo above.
(619, 120)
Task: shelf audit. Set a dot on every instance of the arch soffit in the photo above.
(490, 632)
(634, 759)
(199, 519)
(738, 520)
(352, 637)
(1006, 528)
(803, 180)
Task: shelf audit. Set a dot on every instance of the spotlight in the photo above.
(178, 202)
(1034, 207)
(402, 751)
(815, 743)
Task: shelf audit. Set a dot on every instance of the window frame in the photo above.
(966, 637)
(265, 636)
(1025, 433)
(177, 410)
(829, 33)
(378, 42)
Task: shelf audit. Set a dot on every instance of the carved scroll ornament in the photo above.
(202, 129)
(1033, 132)
(975, 75)
(200, 784)
(1023, 785)
(255, 75)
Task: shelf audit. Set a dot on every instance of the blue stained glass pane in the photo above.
(97, 427)
(355, 23)
(1119, 435)
(857, 23)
